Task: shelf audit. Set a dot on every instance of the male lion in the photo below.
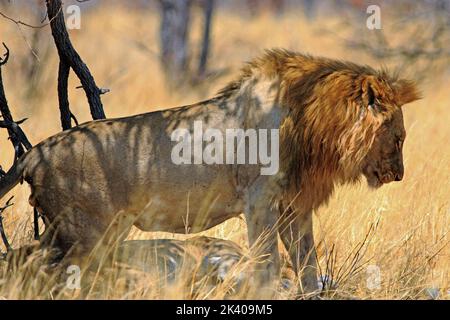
(337, 121)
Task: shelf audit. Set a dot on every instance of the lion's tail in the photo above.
(11, 179)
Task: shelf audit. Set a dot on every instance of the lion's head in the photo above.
(384, 161)
(382, 116)
(344, 121)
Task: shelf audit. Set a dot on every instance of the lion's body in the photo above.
(90, 174)
(127, 167)
(84, 178)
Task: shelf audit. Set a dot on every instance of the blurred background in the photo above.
(160, 54)
(187, 49)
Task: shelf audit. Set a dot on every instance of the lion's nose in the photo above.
(398, 177)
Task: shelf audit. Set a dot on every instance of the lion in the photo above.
(199, 264)
(193, 267)
(337, 122)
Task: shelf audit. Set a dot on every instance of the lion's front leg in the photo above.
(261, 216)
(297, 235)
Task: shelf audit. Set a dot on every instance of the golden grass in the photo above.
(410, 242)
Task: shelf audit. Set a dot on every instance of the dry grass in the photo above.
(412, 218)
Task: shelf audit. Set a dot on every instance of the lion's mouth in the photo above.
(374, 178)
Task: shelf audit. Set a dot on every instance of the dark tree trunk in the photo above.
(68, 55)
(174, 37)
(64, 108)
(206, 42)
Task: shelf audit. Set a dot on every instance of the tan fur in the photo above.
(337, 121)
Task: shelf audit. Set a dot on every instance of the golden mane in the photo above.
(329, 127)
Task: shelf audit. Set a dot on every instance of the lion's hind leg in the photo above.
(85, 244)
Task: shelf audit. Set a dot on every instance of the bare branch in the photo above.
(6, 56)
(29, 25)
(18, 138)
(74, 118)
(100, 90)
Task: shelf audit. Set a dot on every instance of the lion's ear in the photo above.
(370, 91)
(406, 91)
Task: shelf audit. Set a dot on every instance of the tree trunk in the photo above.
(63, 97)
(69, 57)
(174, 32)
(208, 8)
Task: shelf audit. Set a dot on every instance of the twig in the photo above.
(19, 22)
(74, 118)
(100, 90)
(4, 60)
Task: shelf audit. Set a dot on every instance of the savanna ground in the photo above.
(402, 228)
